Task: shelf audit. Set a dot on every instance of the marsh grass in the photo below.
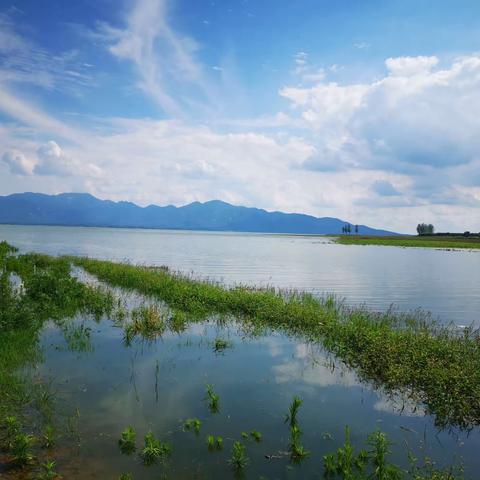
(192, 424)
(238, 459)
(212, 399)
(409, 354)
(434, 241)
(147, 321)
(127, 441)
(154, 450)
(48, 471)
(48, 292)
(372, 462)
(296, 449)
(220, 345)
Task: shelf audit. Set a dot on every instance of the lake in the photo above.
(442, 282)
(102, 384)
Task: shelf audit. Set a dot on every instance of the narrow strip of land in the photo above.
(447, 242)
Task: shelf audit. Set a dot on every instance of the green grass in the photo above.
(406, 354)
(48, 292)
(372, 462)
(445, 242)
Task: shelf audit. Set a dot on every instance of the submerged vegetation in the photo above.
(408, 354)
(447, 242)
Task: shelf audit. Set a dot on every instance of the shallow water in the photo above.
(443, 282)
(158, 385)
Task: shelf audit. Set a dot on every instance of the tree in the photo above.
(356, 229)
(425, 229)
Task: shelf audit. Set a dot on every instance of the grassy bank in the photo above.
(47, 292)
(406, 354)
(445, 242)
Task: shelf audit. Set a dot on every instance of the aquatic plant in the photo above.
(48, 471)
(380, 449)
(12, 428)
(256, 435)
(214, 443)
(125, 476)
(245, 435)
(238, 459)
(220, 345)
(78, 338)
(154, 450)
(296, 449)
(48, 436)
(192, 424)
(212, 398)
(291, 416)
(21, 449)
(127, 441)
(147, 321)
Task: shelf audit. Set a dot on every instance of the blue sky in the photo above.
(367, 111)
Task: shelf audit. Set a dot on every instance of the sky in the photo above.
(364, 110)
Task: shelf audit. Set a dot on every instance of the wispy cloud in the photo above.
(22, 61)
(162, 57)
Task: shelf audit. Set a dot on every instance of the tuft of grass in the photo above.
(291, 416)
(149, 322)
(21, 449)
(220, 345)
(214, 443)
(192, 424)
(213, 399)
(127, 440)
(297, 451)
(154, 450)
(48, 436)
(48, 471)
(238, 459)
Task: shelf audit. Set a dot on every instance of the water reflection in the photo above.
(156, 385)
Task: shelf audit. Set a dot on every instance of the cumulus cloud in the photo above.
(416, 117)
(52, 160)
(409, 66)
(17, 162)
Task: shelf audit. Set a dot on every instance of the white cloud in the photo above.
(24, 62)
(414, 118)
(361, 45)
(409, 66)
(160, 54)
(52, 160)
(17, 162)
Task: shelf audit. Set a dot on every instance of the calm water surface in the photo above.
(443, 282)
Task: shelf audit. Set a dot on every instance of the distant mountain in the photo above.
(81, 209)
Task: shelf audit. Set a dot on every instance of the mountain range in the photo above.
(82, 209)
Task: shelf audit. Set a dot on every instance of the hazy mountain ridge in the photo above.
(82, 209)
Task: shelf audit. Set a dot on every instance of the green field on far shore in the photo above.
(427, 241)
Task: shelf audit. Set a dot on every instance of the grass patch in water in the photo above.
(427, 241)
(410, 354)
